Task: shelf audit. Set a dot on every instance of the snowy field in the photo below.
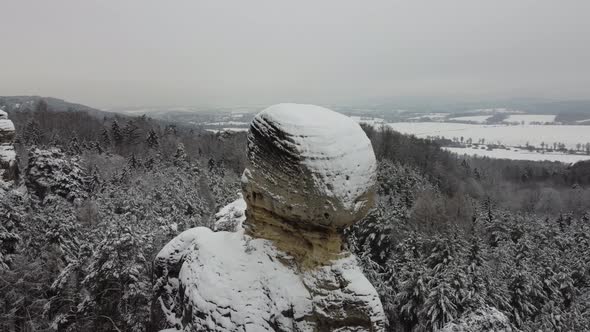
(475, 118)
(494, 110)
(227, 123)
(503, 134)
(518, 154)
(432, 116)
(227, 129)
(529, 118)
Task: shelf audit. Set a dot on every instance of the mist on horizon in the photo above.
(112, 54)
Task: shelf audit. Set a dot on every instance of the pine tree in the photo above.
(32, 134)
(95, 180)
(411, 297)
(180, 157)
(152, 139)
(131, 132)
(116, 133)
(98, 148)
(439, 307)
(74, 146)
(133, 162)
(105, 138)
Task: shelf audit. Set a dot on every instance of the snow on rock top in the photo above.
(310, 164)
(231, 217)
(6, 125)
(8, 165)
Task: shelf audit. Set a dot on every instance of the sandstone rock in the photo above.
(229, 281)
(309, 165)
(280, 265)
(50, 172)
(8, 164)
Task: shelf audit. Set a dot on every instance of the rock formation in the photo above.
(50, 172)
(8, 165)
(280, 264)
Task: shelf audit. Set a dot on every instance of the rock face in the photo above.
(279, 265)
(309, 165)
(50, 172)
(8, 165)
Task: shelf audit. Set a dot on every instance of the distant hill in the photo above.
(23, 103)
(571, 109)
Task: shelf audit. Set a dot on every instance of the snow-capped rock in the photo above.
(50, 172)
(309, 164)
(285, 270)
(6, 130)
(8, 165)
(231, 217)
(229, 281)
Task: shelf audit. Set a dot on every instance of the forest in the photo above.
(99, 196)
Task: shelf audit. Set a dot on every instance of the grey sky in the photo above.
(142, 52)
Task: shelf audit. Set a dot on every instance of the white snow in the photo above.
(227, 129)
(227, 123)
(483, 319)
(530, 118)
(519, 154)
(7, 153)
(475, 118)
(333, 146)
(232, 216)
(494, 110)
(504, 134)
(231, 280)
(235, 286)
(432, 116)
(6, 125)
(3, 115)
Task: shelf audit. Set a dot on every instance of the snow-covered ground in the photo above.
(504, 134)
(227, 129)
(432, 116)
(530, 118)
(494, 110)
(227, 123)
(518, 154)
(475, 118)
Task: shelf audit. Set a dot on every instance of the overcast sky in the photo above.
(138, 53)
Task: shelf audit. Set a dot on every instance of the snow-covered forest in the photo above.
(453, 241)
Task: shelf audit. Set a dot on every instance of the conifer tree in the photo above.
(105, 138)
(32, 134)
(116, 133)
(131, 132)
(152, 139)
(180, 157)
